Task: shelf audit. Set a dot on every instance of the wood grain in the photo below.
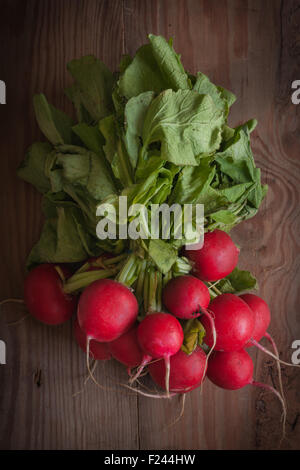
(248, 46)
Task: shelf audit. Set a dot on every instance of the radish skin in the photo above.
(216, 259)
(187, 371)
(262, 316)
(233, 322)
(44, 296)
(160, 335)
(126, 350)
(185, 296)
(106, 310)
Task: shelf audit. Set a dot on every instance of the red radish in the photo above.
(160, 335)
(187, 371)
(230, 370)
(262, 316)
(98, 351)
(44, 295)
(126, 349)
(233, 320)
(233, 370)
(234, 323)
(216, 259)
(186, 296)
(106, 310)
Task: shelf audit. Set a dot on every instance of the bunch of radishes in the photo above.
(107, 320)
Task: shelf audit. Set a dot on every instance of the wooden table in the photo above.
(252, 48)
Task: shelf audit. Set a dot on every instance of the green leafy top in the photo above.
(152, 132)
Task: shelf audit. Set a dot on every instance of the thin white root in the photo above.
(140, 369)
(7, 301)
(265, 350)
(213, 328)
(273, 390)
(16, 322)
(145, 386)
(182, 398)
(150, 395)
(271, 340)
(91, 375)
(15, 301)
(167, 377)
(94, 365)
(130, 374)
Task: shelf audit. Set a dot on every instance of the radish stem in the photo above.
(80, 280)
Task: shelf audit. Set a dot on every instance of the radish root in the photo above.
(140, 369)
(90, 371)
(150, 395)
(94, 365)
(210, 317)
(167, 377)
(16, 301)
(265, 350)
(271, 340)
(182, 399)
(273, 390)
(16, 322)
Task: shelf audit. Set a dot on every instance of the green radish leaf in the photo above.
(194, 333)
(94, 83)
(193, 182)
(87, 169)
(155, 67)
(186, 125)
(60, 241)
(32, 169)
(90, 136)
(237, 162)
(115, 151)
(227, 95)
(169, 63)
(242, 280)
(236, 282)
(54, 124)
(163, 254)
(135, 112)
(74, 95)
(224, 217)
(204, 86)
